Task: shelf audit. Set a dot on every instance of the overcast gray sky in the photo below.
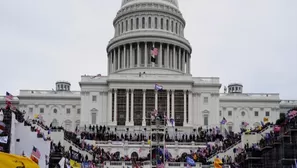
(248, 41)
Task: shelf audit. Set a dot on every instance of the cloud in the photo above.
(251, 42)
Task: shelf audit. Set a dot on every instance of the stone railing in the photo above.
(145, 143)
(48, 92)
(148, 164)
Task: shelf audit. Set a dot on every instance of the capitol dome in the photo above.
(167, 2)
(142, 25)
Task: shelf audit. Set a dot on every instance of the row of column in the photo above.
(123, 57)
(187, 118)
(149, 22)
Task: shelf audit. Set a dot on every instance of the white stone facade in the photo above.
(126, 96)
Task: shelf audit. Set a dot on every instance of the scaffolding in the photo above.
(158, 129)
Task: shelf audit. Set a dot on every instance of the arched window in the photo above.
(55, 123)
(176, 28)
(149, 22)
(156, 23)
(137, 23)
(126, 25)
(68, 125)
(122, 27)
(172, 30)
(134, 155)
(205, 120)
(167, 24)
(143, 23)
(131, 24)
(55, 111)
(77, 123)
(162, 24)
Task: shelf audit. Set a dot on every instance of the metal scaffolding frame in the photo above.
(158, 128)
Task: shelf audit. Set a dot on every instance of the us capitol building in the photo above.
(126, 95)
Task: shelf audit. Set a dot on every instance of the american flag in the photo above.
(35, 153)
(155, 51)
(8, 97)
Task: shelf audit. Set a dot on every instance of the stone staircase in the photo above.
(229, 150)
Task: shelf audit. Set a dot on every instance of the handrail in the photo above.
(211, 156)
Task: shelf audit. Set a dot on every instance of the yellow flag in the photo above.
(218, 163)
(265, 119)
(35, 116)
(10, 160)
(74, 164)
(149, 141)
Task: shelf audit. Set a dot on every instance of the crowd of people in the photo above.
(268, 139)
(103, 133)
(216, 143)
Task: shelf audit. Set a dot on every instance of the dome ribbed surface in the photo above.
(172, 2)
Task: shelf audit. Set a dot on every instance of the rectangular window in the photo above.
(256, 113)
(205, 120)
(78, 111)
(94, 115)
(229, 113)
(267, 113)
(205, 100)
(30, 110)
(68, 111)
(41, 110)
(94, 98)
(230, 128)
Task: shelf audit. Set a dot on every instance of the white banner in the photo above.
(3, 139)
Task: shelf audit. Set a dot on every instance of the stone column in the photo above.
(132, 107)
(153, 63)
(118, 58)
(172, 104)
(189, 64)
(168, 104)
(156, 99)
(183, 61)
(143, 107)
(185, 107)
(109, 107)
(174, 57)
(179, 58)
(131, 56)
(115, 107)
(124, 62)
(108, 66)
(127, 106)
(167, 63)
(114, 60)
(145, 54)
(138, 55)
(190, 107)
(160, 55)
